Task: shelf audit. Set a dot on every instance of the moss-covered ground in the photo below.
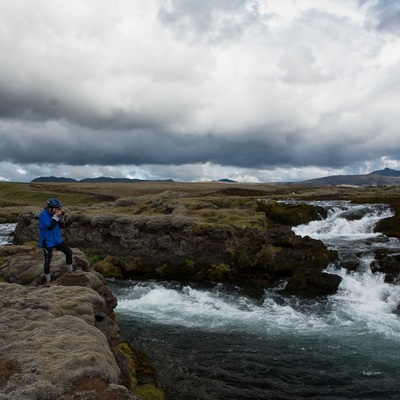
(208, 202)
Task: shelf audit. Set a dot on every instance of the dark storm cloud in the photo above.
(66, 144)
(38, 104)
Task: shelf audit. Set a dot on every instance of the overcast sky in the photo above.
(251, 90)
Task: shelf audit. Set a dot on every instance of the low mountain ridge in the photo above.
(385, 177)
(94, 180)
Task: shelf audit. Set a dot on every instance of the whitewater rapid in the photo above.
(219, 342)
(363, 301)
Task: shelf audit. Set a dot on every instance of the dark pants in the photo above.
(48, 255)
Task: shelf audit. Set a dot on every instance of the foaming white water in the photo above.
(186, 306)
(348, 222)
(363, 304)
(365, 301)
(213, 310)
(5, 230)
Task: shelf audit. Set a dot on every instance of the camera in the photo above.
(62, 213)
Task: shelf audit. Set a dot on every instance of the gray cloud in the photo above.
(385, 15)
(250, 85)
(56, 143)
(209, 21)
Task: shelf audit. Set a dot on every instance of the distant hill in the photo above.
(385, 177)
(387, 172)
(93, 180)
(53, 179)
(226, 180)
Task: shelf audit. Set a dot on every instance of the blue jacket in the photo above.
(47, 230)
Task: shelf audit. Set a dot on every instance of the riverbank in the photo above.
(62, 341)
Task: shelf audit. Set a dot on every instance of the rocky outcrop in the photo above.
(177, 246)
(314, 283)
(388, 263)
(288, 214)
(61, 341)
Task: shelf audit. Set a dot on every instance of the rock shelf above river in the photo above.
(175, 245)
(60, 340)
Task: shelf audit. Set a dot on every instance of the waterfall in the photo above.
(345, 222)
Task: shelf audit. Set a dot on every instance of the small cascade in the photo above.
(6, 231)
(349, 229)
(364, 295)
(345, 222)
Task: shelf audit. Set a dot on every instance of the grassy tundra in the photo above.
(209, 202)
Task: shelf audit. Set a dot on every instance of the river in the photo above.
(217, 342)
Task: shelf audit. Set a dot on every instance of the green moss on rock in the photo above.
(125, 351)
(149, 392)
(289, 214)
(219, 272)
(110, 267)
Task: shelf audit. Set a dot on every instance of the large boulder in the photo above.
(24, 264)
(313, 283)
(50, 334)
(290, 214)
(387, 262)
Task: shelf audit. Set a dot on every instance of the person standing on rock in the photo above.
(50, 221)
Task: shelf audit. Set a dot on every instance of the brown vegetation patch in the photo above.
(95, 389)
(73, 279)
(8, 368)
(241, 218)
(240, 192)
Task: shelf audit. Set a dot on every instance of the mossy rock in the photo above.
(219, 272)
(288, 214)
(145, 371)
(149, 392)
(8, 216)
(110, 267)
(243, 218)
(186, 270)
(125, 350)
(141, 372)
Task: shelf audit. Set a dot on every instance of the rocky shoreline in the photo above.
(61, 341)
